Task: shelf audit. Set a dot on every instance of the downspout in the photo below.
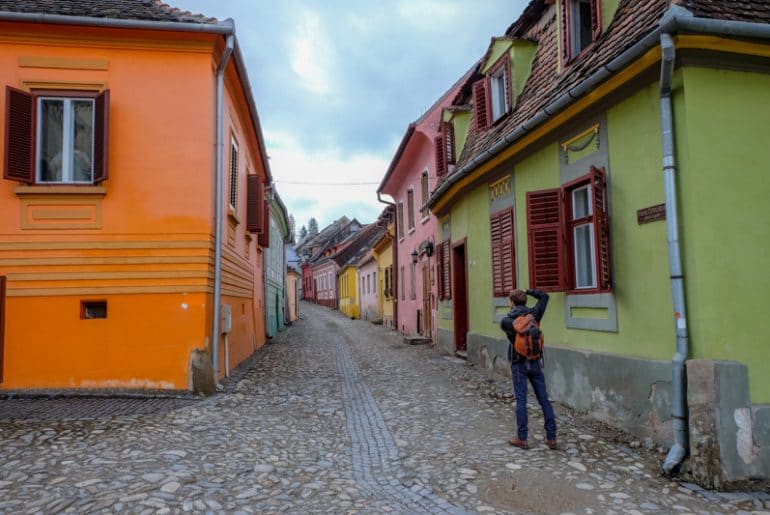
(394, 276)
(218, 203)
(679, 376)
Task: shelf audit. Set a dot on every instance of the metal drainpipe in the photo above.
(218, 204)
(679, 403)
(394, 276)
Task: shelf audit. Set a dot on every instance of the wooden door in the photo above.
(426, 304)
(460, 296)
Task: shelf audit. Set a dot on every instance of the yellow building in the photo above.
(347, 286)
(383, 254)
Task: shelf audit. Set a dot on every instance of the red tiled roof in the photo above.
(148, 10)
(633, 20)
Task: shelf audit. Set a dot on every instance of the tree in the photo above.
(312, 226)
(302, 232)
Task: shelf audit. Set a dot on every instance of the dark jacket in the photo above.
(537, 311)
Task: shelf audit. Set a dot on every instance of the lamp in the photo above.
(414, 256)
(429, 248)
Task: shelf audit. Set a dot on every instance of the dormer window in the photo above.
(492, 94)
(581, 26)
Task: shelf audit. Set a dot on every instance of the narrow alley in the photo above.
(334, 416)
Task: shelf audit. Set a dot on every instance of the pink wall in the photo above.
(325, 284)
(367, 289)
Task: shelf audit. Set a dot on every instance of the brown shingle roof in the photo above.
(633, 20)
(148, 10)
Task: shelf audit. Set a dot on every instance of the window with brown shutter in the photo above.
(425, 186)
(410, 207)
(400, 221)
(445, 284)
(569, 236)
(503, 252)
(233, 173)
(545, 241)
(70, 143)
(481, 104)
(581, 25)
(439, 149)
(448, 133)
(264, 237)
(255, 197)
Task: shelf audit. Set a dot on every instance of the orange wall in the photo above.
(142, 240)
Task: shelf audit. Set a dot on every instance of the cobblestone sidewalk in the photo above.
(335, 416)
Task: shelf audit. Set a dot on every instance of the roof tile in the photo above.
(148, 10)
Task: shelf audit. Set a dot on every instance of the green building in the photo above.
(275, 265)
(610, 152)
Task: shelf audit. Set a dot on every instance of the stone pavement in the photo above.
(335, 416)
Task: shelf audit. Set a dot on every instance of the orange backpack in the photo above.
(529, 337)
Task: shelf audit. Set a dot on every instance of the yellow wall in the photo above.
(347, 286)
(383, 254)
(141, 240)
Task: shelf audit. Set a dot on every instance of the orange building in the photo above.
(132, 206)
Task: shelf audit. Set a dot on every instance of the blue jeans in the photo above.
(522, 371)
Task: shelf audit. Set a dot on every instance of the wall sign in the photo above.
(651, 214)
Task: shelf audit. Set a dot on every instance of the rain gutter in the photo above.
(394, 275)
(681, 20)
(218, 173)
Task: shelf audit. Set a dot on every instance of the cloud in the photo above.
(337, 82)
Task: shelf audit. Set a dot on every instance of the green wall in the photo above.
(724, 186)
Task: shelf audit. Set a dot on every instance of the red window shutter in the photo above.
(566, 32)
(264, 237)
(481, 104)
(503, 257)
(596, 19)
(601, 227)
(438, 143)
(448, 131)
(19, 154)
(101, 136)
(446, 283)
(440, 270)
(545, 238)
(255, 197)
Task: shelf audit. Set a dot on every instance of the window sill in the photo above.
(58, 189)
(425, 219)
(410, 231)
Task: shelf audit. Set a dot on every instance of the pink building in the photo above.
(425, 154)
(367, 287)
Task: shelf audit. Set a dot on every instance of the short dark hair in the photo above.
(518, 297)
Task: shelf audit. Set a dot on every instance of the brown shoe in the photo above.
(521, 444)
(552, 444)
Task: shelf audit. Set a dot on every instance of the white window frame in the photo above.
(498, 93)
(68, 138)
(592, 238)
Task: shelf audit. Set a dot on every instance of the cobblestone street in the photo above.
(334, 416)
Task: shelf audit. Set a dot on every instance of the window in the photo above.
(233, 173)
(425, 192)
(69, 143)
(498, 91)
(374, 282)
(410, 207)
(93, 309)
(503, 252)
(403, 285)
(400, 221)
(444, 145)
(581, 26)
(568, 232)
(255, 198)
(492, 94)
(444, 284)
(412, 281)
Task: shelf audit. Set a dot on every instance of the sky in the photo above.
(337, 82)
